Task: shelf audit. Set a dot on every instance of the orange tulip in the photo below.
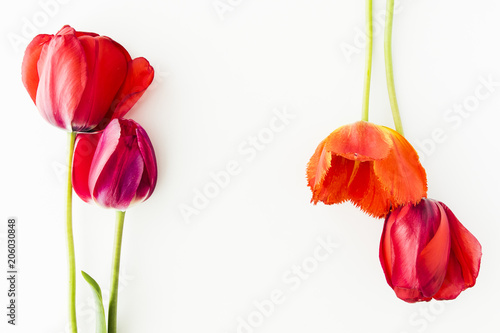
(372, 166)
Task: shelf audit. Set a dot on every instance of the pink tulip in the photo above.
(116, 167)
(427, 253)
(80, 81)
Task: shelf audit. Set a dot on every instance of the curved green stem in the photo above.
(115, 272)
(69, 237)
(368, 60)
(389, 14)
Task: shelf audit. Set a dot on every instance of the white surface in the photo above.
(217, 84)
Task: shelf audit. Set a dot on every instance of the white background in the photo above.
(218, 80)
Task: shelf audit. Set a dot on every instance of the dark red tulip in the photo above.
(427, 253)
(116, 167)
(79, 81)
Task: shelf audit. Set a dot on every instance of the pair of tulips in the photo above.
(425, 251)
(85, 83)
(82, 82)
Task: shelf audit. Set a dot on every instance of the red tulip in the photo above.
(372, 166)
(80, 81)
(427, 253)
(116, 167)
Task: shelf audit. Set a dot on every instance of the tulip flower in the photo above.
(427, 253)
(372, 166)
(79, 81)
(115, 168)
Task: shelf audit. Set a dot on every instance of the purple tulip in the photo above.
(115, 168)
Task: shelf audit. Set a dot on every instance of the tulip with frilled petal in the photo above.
(427, 253)
(372, 166)
(79, 81)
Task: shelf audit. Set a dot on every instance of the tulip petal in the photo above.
(465, 259)
(67, 30)
(106, 70)
(85, 147)
(410, 295)
(63, 76)
(83, 33)
(150, 175)
(318, 166)
(362, 141)
(453, 283)
(139, 76)
(334, 187)
(117, 183)
(405, 242)
(401, 172)
(410, 233)
(386, 249)
(466, 248)
(123, 50)
(366, 192)
(30, 60)
(432, 262)
(105, 148)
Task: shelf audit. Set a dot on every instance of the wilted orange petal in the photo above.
(366, 192)
(361, 141)
(318, 166)
(401, 172)
(334, 188)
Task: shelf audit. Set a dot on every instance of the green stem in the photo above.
(368, 60)
(115, 272)
(389, 14)
(69, 237)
